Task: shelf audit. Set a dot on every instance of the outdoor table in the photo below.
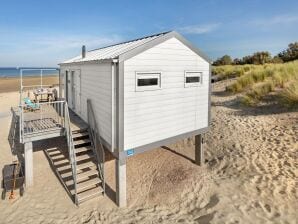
(41, 92)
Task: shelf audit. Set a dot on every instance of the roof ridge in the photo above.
(125, 42)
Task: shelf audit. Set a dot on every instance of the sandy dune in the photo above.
(249, 175)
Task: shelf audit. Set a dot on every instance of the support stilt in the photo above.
(120, 182)
(28, 151)
(199, 152)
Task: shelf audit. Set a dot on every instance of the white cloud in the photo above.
(200, 28)
(61, 42)
(276, 20)
(32, 48)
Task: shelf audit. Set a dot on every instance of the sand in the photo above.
(249, 175)
(13, 84)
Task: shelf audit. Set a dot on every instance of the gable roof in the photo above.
(125, 50)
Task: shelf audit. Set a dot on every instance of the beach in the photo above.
(11, 84)
(248, 177)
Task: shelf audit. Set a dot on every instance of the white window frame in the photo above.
(148, 75)
(193, 74)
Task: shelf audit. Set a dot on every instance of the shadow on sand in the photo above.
(58, 145)
(177, 153)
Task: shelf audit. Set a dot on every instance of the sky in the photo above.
(46, 32)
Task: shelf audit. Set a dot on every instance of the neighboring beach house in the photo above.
(135, 96)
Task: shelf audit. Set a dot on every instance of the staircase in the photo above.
(88, 181)
(80, 168)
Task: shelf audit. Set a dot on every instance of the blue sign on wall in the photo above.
(130, 152)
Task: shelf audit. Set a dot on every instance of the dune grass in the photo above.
(289, 95)
(257, 81)
(231, 71)
(257, 92)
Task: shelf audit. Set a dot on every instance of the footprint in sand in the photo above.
(212, 202)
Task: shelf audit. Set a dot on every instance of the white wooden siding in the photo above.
(96, 85)
(151, 116)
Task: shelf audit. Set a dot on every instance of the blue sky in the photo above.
(46, 32)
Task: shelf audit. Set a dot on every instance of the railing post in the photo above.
(60, 114)
(20, 124)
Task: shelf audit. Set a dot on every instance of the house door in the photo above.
(73, 90)
(74, 93)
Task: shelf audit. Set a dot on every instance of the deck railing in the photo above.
(39, 118)
(96, 141)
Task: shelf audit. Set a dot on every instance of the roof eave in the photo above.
(114, 60)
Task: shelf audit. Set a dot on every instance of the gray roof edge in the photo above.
(160, 39)
(133, 40)
(88, 61)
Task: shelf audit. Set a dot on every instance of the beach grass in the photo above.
(231, 71)
(257, 81)
(289, 95)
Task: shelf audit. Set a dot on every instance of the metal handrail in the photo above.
(95, 138)
(71, 149)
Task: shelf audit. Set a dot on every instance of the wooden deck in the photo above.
(46, 122)
(41, 125)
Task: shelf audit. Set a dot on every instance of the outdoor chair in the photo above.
(30, 105)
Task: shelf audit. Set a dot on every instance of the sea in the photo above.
(7, 72)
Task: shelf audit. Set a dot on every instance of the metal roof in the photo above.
(125, 50)
(113, 51)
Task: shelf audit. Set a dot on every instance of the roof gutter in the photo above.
(115, 60)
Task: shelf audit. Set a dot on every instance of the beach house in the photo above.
(132, 97)
(145, 93)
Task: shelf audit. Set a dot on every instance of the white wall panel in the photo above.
(152, 116)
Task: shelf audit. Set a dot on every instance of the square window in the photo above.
(148, 81)
(192, 78)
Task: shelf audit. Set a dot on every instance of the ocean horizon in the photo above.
(9, 72)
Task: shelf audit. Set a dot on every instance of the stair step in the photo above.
(81, 175)
(81, 166)
(83, 178)
(58, 157)
(66, 175)
(86, 165)
(89, 184)
(83, 149)
(53, 150)
(85, 195)
(63, 169)
(87, 174)
(81, 142)
(84, 157)
(61, 162)
(79, 130)
(80, 135)
(55, 153)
